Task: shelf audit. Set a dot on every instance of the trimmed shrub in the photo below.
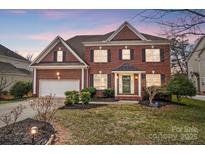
(109, 93)
(19, 89)
(28, 87)
(85, 97)
(163, 94)
(72, 97)
(180, 86)
(91, 90)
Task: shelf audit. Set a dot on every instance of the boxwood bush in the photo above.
(72, 97)
(85, 97)
(108, 93)
(91, 90)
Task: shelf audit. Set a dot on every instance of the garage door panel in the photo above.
(57, 87)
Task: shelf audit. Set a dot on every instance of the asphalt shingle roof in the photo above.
(9, 69)
(76, 42)
(7, 52)
(126, 67)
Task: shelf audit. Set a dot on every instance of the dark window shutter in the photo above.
(109, 81)
(162, 79)
(55, 56)
(91, 55)
(64, 56)
(143, 76)
(91, 80)
(109, 55)
(120, 54)
(132, 54)
(143, 55)
(162, 55)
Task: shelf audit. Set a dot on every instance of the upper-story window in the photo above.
(59, 56)
(126, 54)
(152, 55)
(100, 56)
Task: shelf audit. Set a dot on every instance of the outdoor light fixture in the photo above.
(125, 47)
(153, 71)
(59, 77)
(136, 77)
(59, 48)
(100, 47)
(34, 131)
(57, 73)
(100, 72)
(152, 46)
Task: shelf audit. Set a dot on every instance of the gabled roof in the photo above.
(77, 43)
(7, 68)
(126, 67)
(51, 46)
(195, 47)
(7, 52)
(130, 27)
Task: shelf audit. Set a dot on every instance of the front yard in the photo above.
(135, 124)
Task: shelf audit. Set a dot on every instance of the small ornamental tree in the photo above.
(19, 89)
(152, 92)
(180, 86)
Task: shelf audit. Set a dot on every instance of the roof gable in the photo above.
(47, 50)
(126, 32)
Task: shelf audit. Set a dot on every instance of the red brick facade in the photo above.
(106, 68)
(126, 34)
(162, 67)
(69, 57)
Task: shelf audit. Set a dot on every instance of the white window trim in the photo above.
(151, 58)
(101, 87)
(124, 54)
(99, 57)
(153, 77)
(59, 59)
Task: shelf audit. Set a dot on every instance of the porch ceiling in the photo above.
(126, 67)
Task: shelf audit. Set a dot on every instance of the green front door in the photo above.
(126, 84)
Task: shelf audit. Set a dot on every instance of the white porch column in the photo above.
(116, 84)
(139, 85)
(34, 81)
(82, 79)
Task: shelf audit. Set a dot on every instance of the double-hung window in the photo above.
(59, 56)
(100, 81)
(126, 54)
(100, 56)
(153, 80)
(152, 55)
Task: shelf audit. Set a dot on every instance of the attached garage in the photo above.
(57, 87)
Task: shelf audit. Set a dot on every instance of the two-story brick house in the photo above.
(125, 60)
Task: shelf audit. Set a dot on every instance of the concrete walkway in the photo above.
(28, 112)
(199, 97)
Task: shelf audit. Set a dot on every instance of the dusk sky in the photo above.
(30, 31)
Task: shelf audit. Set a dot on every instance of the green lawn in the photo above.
(135, 124)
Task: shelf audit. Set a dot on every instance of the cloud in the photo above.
(72, 32)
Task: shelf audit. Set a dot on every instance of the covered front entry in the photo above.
(127, 82)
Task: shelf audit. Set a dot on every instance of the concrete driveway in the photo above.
(199, 97)
(27, 112)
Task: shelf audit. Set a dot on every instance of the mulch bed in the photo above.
(159, 104)
(19, 133)
(82, 106)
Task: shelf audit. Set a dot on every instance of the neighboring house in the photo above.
(196, 65)
(13, 67)
(124, 60)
